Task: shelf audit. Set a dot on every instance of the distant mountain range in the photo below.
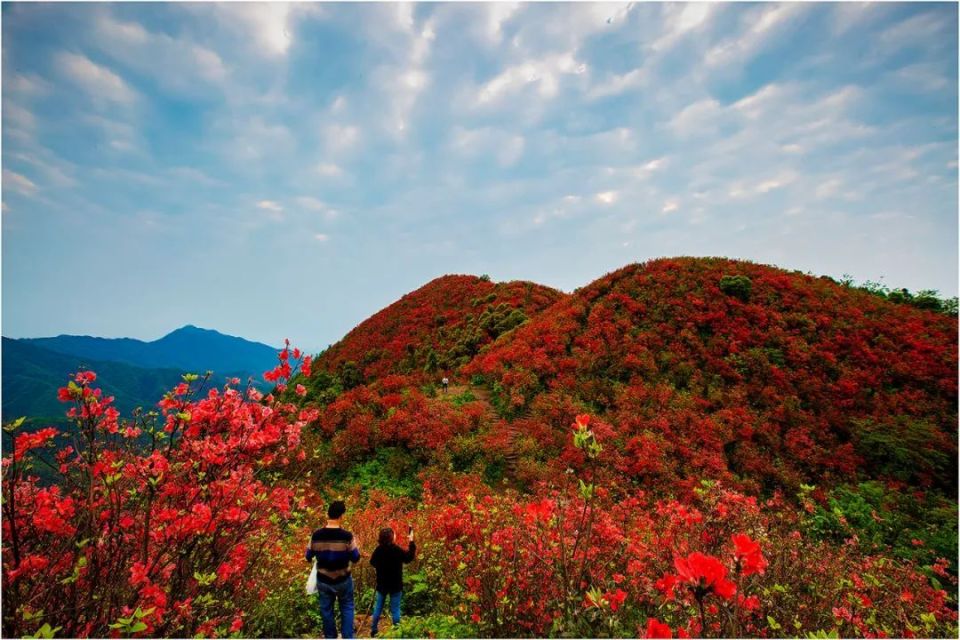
(136, 372)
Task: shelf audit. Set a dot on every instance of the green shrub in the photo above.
(736, 286)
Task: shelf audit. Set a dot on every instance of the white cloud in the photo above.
(496, 15)
(98, 81)
(329, 170)
(827, 189)
(54, 171)
(17, 117)
(340, 138)
(24, 85)
(268, 23)
(698, 118)
(760, 30)
(686, 17)
(544, 73)
(321, 237)
(773, 183)
(269, 205)
(606, 197)
(488, 142)
(617, 84)
(179, 65)
(18, 183)
(313, 204)
(670, 206)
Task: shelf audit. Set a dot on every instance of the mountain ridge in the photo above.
(190, 348)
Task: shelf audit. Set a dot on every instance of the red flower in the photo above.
(656, 629)
(616, 599)
(747, 553)
(666, 585)
(583, 421)
(706, 574)
(301, 390)
(541, 510)
(27, 441)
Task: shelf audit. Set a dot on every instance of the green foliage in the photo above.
(132, 624)
(903, 447)
(47, 632)
(884, 518)
(391, 469)
(286, 612)
(928, 299)
(435, 625)
(322, 387)
(432, 363)
(350, 375)
(736, 286)
(463, 398)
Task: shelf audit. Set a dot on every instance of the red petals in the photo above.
(705, 573)
(747, 554)
(657, 629)
(27, 441)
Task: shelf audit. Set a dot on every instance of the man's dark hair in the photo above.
(336, 510)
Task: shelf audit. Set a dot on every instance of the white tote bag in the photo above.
(312, 580)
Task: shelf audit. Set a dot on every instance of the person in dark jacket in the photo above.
(388, 559)
(334, 549)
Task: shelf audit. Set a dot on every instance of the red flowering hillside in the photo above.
(438, 327)
(683, 448)
(739, 371)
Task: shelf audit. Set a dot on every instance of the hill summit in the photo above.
(707, 366)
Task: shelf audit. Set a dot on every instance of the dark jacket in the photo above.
(334, 548)
(388, 560)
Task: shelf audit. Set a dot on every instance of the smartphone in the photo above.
(411, 529)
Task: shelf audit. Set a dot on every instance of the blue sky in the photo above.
(282, 170)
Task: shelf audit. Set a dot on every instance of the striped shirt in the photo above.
(334, 548)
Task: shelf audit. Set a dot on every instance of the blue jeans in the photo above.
(378, 609)
(342, 592)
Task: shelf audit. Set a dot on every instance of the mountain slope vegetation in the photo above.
(32, 375)
(438, 327)
(687, 447)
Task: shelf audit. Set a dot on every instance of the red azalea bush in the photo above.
(155, 526)
(584, 559)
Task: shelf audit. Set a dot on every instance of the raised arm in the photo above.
(410, 553)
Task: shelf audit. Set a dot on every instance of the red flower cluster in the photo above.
(704, 574)
(26, 441)
(747, 554)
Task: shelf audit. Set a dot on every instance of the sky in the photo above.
(286, 170)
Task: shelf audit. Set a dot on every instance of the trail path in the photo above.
(511, 455)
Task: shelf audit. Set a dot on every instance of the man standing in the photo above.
(335, 549)
(445, 382)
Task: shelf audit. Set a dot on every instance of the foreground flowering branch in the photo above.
(150, 526)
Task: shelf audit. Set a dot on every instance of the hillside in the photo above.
(437, 328)
(188, 348)
(740, 371)
(32, 375)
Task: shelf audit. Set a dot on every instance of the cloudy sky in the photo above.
(282, 170)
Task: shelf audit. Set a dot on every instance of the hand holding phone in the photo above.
(410, 534)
